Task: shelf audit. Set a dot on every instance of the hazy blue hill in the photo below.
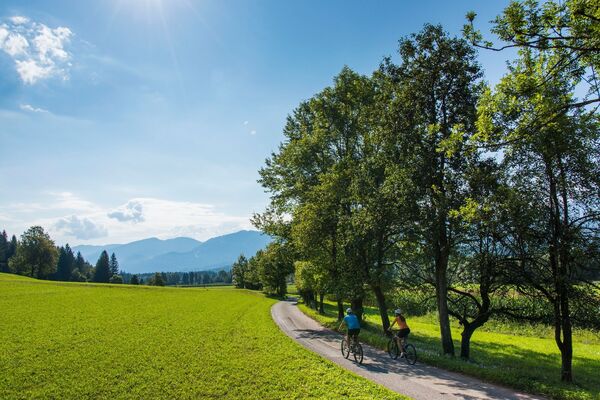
(180, 254)
(140, 249)
(220, 251)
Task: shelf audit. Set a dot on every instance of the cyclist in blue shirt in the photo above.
(353, 325)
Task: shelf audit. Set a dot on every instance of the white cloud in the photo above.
(246, 123)
(253, 132)
(19, 20)
(29, 107)
(132, 211)
(50, 43)
(71, 202)
(3, 34)
(15, 45)
(80, 228)
(72, 219)
(38, 51)
(31, 72)
(167, 219)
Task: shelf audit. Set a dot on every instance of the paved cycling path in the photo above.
(419, 381)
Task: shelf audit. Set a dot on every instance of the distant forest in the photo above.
(36, 255)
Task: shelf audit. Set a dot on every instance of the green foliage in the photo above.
(238, 272)
(65, 265)
(35, 254)
(156, 280)
(134, 280)
(570, 28)
(58, 341)
(102, 271)
(113, 265)
(3, 252)
(274, 267)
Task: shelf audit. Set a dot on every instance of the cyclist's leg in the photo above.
(403, 334)
(353, 333)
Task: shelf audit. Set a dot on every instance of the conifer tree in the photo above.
(102, 272)
(12, 247)
(134, 280)
(3, 250)
(66, 261)
(114, 265)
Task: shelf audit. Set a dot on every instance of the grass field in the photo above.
(87, 341)
(522, 361)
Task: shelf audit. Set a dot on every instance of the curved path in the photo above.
(421, 382)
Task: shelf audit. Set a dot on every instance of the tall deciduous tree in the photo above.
(102, 272)
(555, 171)
(438, 76)
(571, 28)
(35, 255)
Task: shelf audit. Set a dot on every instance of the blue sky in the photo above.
(124, 119)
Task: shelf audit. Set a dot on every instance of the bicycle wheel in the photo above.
(358, 353)
(410, 353)
(345, 348)
(392, 349)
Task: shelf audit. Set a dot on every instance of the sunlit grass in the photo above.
(94, 341)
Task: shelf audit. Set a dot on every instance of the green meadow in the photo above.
(524, 357)
(97, 341)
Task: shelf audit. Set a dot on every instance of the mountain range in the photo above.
(179, 254)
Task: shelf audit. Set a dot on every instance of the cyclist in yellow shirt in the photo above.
(404, 330)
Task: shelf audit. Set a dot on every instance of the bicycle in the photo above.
(408, 351)
(355, 348)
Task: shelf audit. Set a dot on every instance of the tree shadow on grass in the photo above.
(502, 363)
(379, 363)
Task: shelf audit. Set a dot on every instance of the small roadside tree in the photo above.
(275, 265)
(238, 272)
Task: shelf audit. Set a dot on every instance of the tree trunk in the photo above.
(566, 345)
(383, 312)
(357, 307)
(321, 308)
(441, 290)
(340, 306)
(465, 343)
(467, 333)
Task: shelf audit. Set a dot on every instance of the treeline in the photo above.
(423, 177)
(268, 270)
(192, 278)
(36, 255)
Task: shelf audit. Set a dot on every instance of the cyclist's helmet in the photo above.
(397, 311)
(348, 311)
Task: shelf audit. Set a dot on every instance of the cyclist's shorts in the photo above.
(402, 333)
(353, 332)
